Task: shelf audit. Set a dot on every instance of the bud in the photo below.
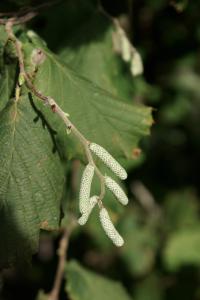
(116, 190)
(109, 228)
(85, 188)
(109, 160)
(21, 79)
(38, 56)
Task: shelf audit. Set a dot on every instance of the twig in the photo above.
(26, 14)
(62, 254)
(54, 107)
(145, 198)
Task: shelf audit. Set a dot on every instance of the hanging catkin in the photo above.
(109, 228)
(105, 156)
(85, 188)
(116, 190)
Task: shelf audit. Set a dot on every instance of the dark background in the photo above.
(167, 34)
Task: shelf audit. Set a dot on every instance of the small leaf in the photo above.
(83, 284)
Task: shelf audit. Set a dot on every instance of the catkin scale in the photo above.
(109, 160)
(116, 190)
(109, 228)
(92, 202)
(85, 188)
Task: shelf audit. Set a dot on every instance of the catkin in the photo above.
(136, 64)
(109, 228)
(109, 160)
(125, 47)
(85, 188)
(92, 202)
(116, 190)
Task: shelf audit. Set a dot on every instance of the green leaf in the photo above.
(83, 37)
(150, 288)
(31, 181)
(182, 248)
(181, 210)
(8, 69)
(83, 284)
(3, 37)
(95, 58)
(61, 19)
(100, 116)
(7, 83)
(141, 242)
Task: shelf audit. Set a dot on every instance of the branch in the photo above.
(146, 199)
(62, 254)
(25, 14)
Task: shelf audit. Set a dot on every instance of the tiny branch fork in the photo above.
(54, 106)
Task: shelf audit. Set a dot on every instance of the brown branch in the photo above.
(20, 19)
(25, 14)
(62, 254)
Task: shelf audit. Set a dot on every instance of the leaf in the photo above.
(141, 242)
(86, 44)
(95, 57)
(150, 288)
(82, 35)
(3, 37)
(181, 210)
(8, 69)
(101, 117)
(61, 19)
(182, 248)
(31, 181)
(83, 284)
(7, 84)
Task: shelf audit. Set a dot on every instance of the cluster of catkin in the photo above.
(87, 203)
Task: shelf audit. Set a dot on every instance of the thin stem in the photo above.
(25, 14)
(54, 106)
(62, 254)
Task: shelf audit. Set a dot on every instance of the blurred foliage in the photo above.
(84, 284)
(161, 256)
